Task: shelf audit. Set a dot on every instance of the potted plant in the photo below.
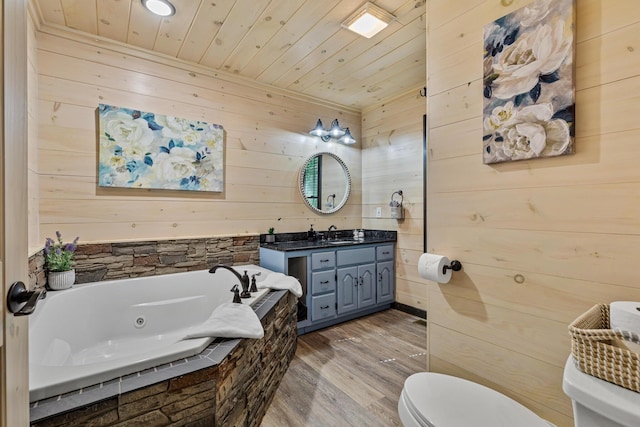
(58, 259)
(271, 237)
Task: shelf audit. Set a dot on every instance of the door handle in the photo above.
(22, 302)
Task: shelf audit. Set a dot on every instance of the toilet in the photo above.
(430, 399)
(435, 400)
(599, 403)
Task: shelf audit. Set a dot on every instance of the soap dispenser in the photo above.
(311, 234)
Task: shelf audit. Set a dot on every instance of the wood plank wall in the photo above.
(266, 144)
(392, 158)
(32, 129)
(541, 241)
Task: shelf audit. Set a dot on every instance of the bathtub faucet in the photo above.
(244, 279)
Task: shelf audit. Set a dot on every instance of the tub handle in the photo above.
(22, 302)
(236, 294)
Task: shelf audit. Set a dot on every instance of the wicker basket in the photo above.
(600, 351)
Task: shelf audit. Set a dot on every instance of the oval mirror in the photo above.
(325, 183)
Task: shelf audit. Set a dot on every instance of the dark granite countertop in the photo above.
(339, 239)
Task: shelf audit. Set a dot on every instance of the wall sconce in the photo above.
(335, 132)
(368, 21)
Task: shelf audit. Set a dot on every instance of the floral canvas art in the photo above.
(529, 93)
(147, 150)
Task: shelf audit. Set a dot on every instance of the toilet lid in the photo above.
(441, 400)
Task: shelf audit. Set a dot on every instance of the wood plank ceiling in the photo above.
(296, 45)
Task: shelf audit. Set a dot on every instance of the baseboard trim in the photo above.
(411, 310)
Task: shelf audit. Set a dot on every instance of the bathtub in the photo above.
(99, 331)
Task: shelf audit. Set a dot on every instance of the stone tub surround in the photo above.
(106, 261)
(231, 382)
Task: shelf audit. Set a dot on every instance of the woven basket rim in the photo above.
(593, 353)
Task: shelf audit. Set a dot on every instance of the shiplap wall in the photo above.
(392, 158)
(541, 241)
(32, 129)
(266, 144)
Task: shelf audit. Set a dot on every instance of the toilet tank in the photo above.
(598, 403)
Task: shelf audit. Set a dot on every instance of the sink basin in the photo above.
(340, 242)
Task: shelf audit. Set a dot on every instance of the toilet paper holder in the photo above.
(455, 266)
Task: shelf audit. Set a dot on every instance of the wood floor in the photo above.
(351, 374)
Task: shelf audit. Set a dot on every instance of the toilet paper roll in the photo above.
(625, 316)
(430, 267)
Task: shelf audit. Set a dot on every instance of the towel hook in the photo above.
(397, 211)
(394, 203)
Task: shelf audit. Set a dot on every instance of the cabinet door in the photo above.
(366, 285)
(347, 289)
(385, 288)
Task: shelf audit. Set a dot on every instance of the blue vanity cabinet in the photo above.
(339, 283)
(323, 286)
(347, 289)
(385, 287)
(356, 279)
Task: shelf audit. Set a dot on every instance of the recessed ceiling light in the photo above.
(159, 7)
(369, 20)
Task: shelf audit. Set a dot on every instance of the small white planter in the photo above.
(58, 280)
(270, 238)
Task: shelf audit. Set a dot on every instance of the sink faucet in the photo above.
(244, 279)
(331, 227)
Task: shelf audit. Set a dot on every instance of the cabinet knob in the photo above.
(324, 307)
(324, 282)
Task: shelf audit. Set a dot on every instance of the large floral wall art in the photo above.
(146, 150)
(529, 93)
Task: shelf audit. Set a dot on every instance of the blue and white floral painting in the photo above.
(529, 94)
(148, 150)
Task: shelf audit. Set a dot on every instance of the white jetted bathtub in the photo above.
(98, 331)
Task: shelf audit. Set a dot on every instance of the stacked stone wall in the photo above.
(96, 262)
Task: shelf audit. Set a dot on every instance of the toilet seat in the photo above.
(434, 400)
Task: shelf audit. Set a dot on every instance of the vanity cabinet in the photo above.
(356, 272)
(385, 275)
(339, 282)
(323, 286)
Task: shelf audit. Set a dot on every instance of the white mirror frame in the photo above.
(347, 189)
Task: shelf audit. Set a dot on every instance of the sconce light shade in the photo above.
(318, 130)
(336, 132)
(347, 138)
(369, 20)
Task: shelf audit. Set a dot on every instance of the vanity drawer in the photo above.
(323, 282)
(323, 260)
(384, 252)
(323, 307)
(356, 256)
